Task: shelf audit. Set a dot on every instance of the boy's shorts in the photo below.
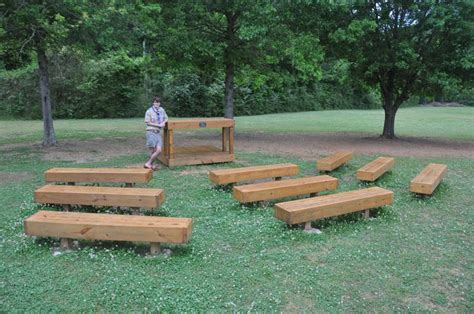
(153, 139)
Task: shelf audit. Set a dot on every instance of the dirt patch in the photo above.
(9, 177)
(310, 146)
(93, 150)
(305, 146)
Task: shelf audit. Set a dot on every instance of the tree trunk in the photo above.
(49, 136)
(389, 124)
(229, 52)
(229, 91)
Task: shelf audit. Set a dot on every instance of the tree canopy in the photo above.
(101, 59)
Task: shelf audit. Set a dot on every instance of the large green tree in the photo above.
(399, 45)
(31, 29)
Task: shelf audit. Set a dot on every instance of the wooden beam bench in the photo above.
(234, 175)
(428, 179)
(129, 176)
(284, 188)
(373, 170)
(87, 226)
(307, 210)
(67, 195)
(334, 161)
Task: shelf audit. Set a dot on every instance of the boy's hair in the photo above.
(156, 99)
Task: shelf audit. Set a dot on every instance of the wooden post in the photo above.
(171, 144)
(313, 194)
(231, 140)
(277, 178)
(128, 185)
(307, 225)
(225, 133)
(366, 213)
(71, 183)
(66, 207)
(135, 210)
(65, 244)
(164, 137)
(155, 248)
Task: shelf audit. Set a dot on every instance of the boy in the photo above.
(155, 120)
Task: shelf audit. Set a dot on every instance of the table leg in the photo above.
(231, 140)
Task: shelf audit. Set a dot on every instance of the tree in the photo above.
(30, 30)
(398, 45)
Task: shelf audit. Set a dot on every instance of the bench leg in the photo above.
(129, 185)
(155, 248)
(71, 183)
(309, 229)
(66, 244)
(277, 178)
(366, 214)
(66, 207)
(313, 194)
(135, 210)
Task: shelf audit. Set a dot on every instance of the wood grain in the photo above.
(314, 208)
(373, 170)
(199, 122)
(428, 179)
(234, 175)
(284, 188)
(334, 161)
(89, 226)
(121, 175)
(100, 196)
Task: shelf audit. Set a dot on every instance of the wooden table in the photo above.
(195, 155)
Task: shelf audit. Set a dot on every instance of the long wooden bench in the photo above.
(234, 175)
(334, 161)
(100, 196)
(374, 169)
(428, 179)
(87, 226)
(284, 188)
(307, 210)
(129, 176)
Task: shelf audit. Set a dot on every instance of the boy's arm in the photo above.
(148, 121)
(165, 119)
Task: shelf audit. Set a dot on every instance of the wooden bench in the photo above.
(100, 196)
(307, 210)
(234, 175)
(373, 170)
(334, 161)
(284, 188)
(87, 226)
(129, 176)
(428, 179)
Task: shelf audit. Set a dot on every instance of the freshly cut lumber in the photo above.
(126, 175)
(234, 175)
(100, 196)
(299, 211)
(197, 123)
(284, 188)
(373, 170)
(428, 179)
(87, 226)
(334, 161)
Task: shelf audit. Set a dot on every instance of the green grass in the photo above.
(416, 255)
(450, 123)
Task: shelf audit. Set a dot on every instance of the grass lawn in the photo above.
(416, 255)
(450, 123)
